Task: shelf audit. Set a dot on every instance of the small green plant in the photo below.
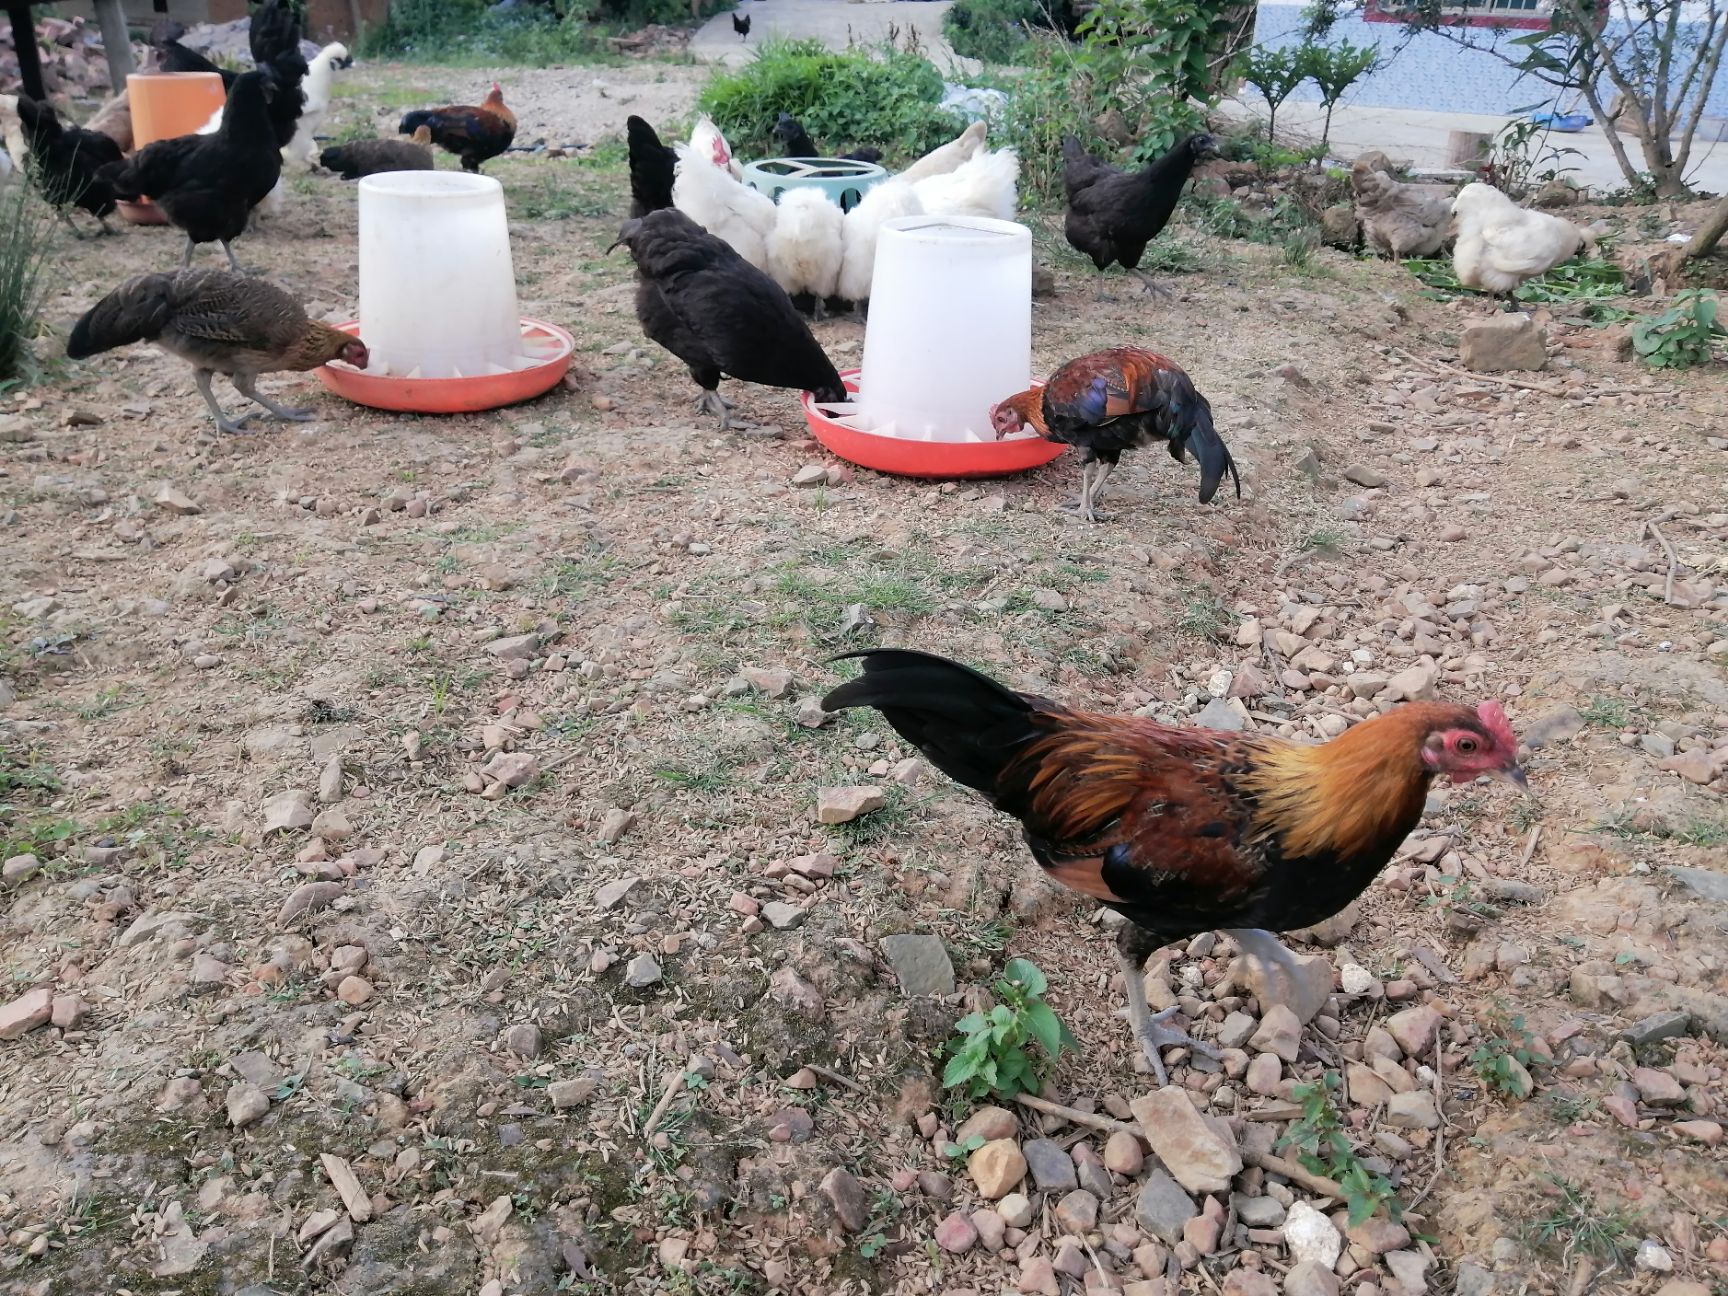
(993, 31)
(1520, 147)
(1607, 713)
(1588, 286)
(1275, 73)
(1318, 1139)
(989, 1051)
(26, 246)
(1682, 336)
(1503, 1055)
(1335, 68)
(1577, 1225)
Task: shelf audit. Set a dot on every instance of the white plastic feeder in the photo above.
(437, 285)
(950, 327)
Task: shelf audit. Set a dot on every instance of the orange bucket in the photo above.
(164, 105)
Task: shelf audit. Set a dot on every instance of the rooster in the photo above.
(719, 314)
(473, 134)
(741, 26)
(1114, 214)
(1119, 400)
(219, 323)
(1180, 830)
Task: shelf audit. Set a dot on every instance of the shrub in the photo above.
(885, 96)
(1683, 336)
(26, 242)
(469, 31)
(994, 31)
(1275, 73)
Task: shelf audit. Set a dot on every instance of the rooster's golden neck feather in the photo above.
(1029, 405)
(1346, 795)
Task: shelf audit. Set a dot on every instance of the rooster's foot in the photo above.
(1155, 1037)
(1087, 514)
(1152, 287)
(235, 427)
(712, 402)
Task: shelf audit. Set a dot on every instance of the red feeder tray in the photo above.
(457, 395)
(142, 212)
(940, 459)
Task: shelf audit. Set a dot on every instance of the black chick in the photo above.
(720, 315)
(65, 161)
(1114, 214)
(793, 140)
(741, 26)
(208, 185)
(653, 167)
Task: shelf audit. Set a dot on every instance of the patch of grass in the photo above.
(884, 96)
(472, 33)
(1203, 614)
(1576, 1224)
(1706, 828)
(27, 248)
(580, 577)
(1580, 284)
(551, 199)
(1607, 713)
(1682, 336)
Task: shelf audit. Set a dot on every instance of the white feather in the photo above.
(863, 225)
(804, 245)
(728, 210)
(317, 86)
(1500, 244)
(984, 186)
(949, 156)
(12, 130)
(708, 143)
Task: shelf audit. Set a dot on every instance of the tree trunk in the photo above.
(1710, 232)
(1234, 29)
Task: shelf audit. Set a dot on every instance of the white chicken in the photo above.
(706, 141)
(858, 234)
(1500, 244)
(804, 247)
(948, 157)
(984, 186)
(727, 209)
(12, 131)
(317, 85)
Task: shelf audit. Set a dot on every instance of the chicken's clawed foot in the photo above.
(712, 402)
(1152, 286)
(1155, 1037)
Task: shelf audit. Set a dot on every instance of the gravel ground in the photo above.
(333, 1008)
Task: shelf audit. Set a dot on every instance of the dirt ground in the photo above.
(424, 1043)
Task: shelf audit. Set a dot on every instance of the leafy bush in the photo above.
(994, 31)
(26, 242)
(989, 1052)
(1275, 73)
(886, 96)
(1335, 68)
(1683, 336)
(470, 31)
(1321, 1145)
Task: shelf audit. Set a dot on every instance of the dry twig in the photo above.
(1673, 560)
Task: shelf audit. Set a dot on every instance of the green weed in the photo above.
(27, 248)
(1683, 336)
(988, 1054)
(1577, 1225)
(1320, 1143)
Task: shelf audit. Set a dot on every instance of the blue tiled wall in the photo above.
(1430, 72)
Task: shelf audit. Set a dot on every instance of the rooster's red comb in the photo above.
(1493, 718)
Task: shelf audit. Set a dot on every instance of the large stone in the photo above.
(838, 805)
(1503, 342)
(288, 812)
(1415, 1029)
(19, 869)
(956, 1234)
(1202, 1158)
(989, 1124)
(26, 1013)
(1280, 1033)
(846, 1195)
(996, 1168)
(1414, 683)
(1163, 1208)
(1311, 1237)
(1412, 1111)
(1310, 1278)
(1303, 987)
(1052, 1167)
(920, 963)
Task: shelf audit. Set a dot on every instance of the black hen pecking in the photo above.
(719, 314)
(64, 162)
(1114, 214)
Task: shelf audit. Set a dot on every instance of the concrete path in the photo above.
(836, 23)
(1421, 137)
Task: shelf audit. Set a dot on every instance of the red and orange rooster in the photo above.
(474, 134)
(1119, 400)
(1185, 830)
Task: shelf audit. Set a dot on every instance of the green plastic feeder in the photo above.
(843, 180)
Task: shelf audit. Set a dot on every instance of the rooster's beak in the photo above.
(1514, 774)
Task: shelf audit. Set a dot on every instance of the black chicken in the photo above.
(653, 168)
(172, 56)
(719, 314)
(208, 185)
(65, 160)
(741, 26)
(795, 142)
(1114, 214)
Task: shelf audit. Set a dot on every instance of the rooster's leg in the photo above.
(1150, 284)
(1276, 959)
(186, 256)
(66, 219)
(712, 402)
(234, 427)
(247, 386)
(106, 227)
(233, 261)
(1149, 1028)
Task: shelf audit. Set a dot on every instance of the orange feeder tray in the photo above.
(165, 105)
(904, 457)
(549, 347)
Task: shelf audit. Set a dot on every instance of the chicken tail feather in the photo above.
(968, 725)
(134, 312)
(1209, 449)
